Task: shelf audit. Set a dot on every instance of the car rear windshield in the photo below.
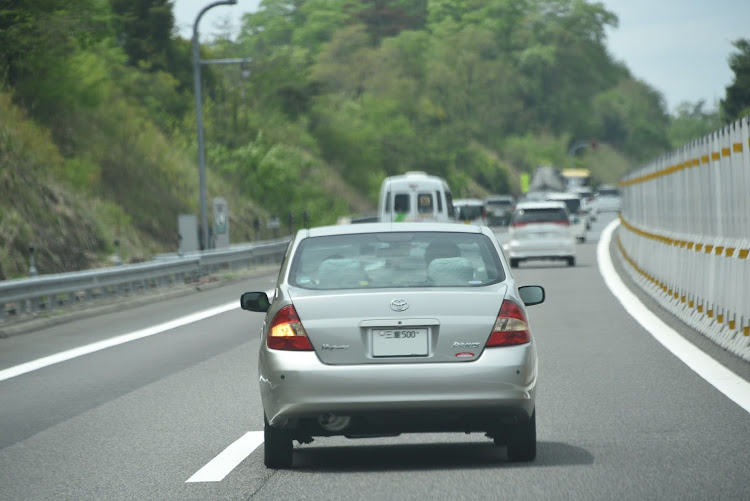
(573, 205)
(469, 212)
(395, 259)
(609, 192)
(500, 203)
(546, 215)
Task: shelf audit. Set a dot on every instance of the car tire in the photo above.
(582, 240)
(277, 447)
(521, 441)
(571, 261)
(514, 263)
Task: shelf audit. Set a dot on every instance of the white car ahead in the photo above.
(380, 329)
(540, 230)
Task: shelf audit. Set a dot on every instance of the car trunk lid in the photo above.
(404, 326)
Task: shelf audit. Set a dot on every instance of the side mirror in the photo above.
(255, 301)
(532, 294)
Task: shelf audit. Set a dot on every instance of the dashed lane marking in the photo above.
(63, 356)
(220, 466)
(109, 343)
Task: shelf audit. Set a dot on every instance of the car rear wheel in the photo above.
(277, 447)
(514, 263)
(521, 441)
(571, 261)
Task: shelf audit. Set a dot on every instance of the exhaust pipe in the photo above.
(333, 423)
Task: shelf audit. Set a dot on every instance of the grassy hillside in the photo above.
(73, 221)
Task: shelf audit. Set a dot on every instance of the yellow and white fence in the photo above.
(685, 233)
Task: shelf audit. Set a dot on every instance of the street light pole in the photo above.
(199, 117)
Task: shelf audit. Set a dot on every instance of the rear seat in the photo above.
(341, 273)
(450, 271)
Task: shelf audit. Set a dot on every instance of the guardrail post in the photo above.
(32, 265)
(118, 261)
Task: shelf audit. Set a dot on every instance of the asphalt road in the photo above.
(175, 414)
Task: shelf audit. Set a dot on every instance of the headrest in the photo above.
(441, 250)
(341, 273)
(450, 271)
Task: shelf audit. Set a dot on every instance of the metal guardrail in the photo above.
(27, 296)
(685, 234)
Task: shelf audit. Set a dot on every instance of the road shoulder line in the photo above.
(724, 380)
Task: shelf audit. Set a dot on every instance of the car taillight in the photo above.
(562, 223)
(511, 327)
(287, 332)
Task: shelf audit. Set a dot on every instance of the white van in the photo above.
(415, 196)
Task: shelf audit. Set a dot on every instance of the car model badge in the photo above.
(335, 346)
(465, 345)
(399, 305)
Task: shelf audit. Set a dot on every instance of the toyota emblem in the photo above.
(399, 305)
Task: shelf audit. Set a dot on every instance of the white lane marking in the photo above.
(724, 380)
(220, 466)
(108, 343)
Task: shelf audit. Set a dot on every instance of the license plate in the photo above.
(406, 342)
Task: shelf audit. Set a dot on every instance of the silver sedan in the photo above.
(381, 329)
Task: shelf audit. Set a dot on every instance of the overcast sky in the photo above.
(679, 47)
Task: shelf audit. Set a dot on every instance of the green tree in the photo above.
(737, 101)
(387, 18)
(563, 62)
(37, 40)
(690, 122)
(345, 62)
(475, 84)
(631, 117)
(144, 29)
(319, 21)
(270, 27)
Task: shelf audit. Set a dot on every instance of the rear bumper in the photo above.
(296, 387)
(540, 249)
